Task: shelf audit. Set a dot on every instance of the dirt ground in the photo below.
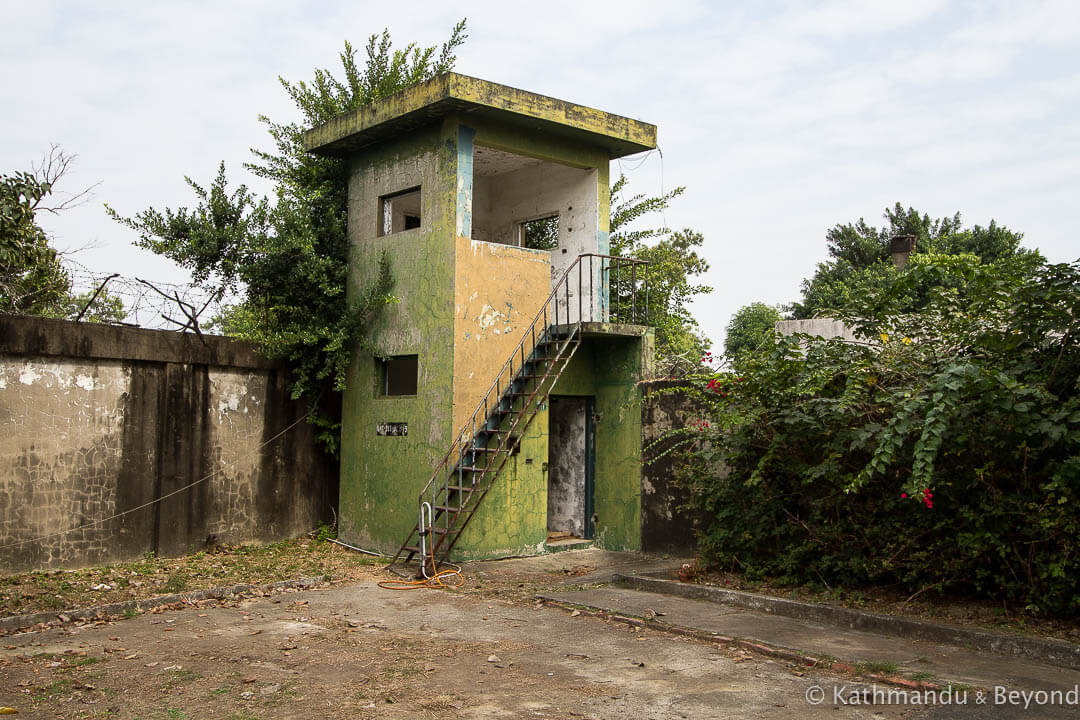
(355, 650)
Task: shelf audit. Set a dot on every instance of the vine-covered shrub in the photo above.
(941, 454)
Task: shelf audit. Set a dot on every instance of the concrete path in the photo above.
(940, 664)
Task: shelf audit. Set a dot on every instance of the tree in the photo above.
(751, 329)
(860, 264)
(940, 454)
(673, 262)
(289, 256)
(33, 280)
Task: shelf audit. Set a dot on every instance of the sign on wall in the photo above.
(392, 429)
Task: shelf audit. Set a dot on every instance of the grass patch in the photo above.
(923, 676)
(57, 687)
(876, 667)
(176, 582)
(151, 575)
(183, 676)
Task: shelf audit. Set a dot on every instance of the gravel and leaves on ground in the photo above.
(58, 590)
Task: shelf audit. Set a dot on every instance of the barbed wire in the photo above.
(153, 304)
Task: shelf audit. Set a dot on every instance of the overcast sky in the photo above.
(782, 118)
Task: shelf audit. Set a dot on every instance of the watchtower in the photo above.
(507, 371)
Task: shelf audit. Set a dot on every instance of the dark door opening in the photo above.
(571, 463)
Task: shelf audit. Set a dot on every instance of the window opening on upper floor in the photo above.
(399, 211)
(533, 203)
(539, 233)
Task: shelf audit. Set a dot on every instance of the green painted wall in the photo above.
(513, 518)
(609, 367)
(382, 476)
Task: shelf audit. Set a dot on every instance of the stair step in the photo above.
(444, 531)
(461, 488)
(449, 508)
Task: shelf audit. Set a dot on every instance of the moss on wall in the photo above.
(382, 476)
(445, 286)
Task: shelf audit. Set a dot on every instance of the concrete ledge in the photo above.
(15, 623)
(1053, 652)
(45, 337)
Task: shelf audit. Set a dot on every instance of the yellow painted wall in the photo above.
(498, 290)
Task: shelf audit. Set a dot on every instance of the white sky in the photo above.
(781, 118)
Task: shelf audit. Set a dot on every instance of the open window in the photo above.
(399, 211)
(533, 203)
(539, 233)
(398, 375)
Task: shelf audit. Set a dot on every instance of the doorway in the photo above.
(571, 467)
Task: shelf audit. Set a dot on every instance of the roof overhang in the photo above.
(429, 102)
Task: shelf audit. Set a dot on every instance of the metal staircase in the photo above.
(594, 288)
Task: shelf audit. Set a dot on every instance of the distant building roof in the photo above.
(429, 102)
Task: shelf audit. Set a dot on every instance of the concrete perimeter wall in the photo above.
(665, 525)
(97, 420)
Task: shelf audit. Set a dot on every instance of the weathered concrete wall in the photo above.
(100, 420)
(382, 475)
(514, 517)
(498, 291)
(538, 190)
(609, 367)
(821, 327)
(665, 525)
(447, 284)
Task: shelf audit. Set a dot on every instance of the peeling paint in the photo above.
(464, 305)
(28, 376)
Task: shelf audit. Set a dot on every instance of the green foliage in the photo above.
(104, 307)
(541, 234)
(752, 328)
(177, 582)
(289, 257)
(32, 280)
(941, 453)
(673, 262)
(860, 264)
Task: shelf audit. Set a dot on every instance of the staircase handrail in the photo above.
(530, 331)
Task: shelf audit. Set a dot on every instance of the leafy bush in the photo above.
(943, 453)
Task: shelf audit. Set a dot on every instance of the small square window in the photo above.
(399, 211)
(399, 374)
(540, 234)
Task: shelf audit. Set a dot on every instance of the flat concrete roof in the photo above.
(431, 101)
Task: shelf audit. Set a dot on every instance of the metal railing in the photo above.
(594, 288)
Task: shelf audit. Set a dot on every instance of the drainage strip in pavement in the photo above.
(903, 661)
